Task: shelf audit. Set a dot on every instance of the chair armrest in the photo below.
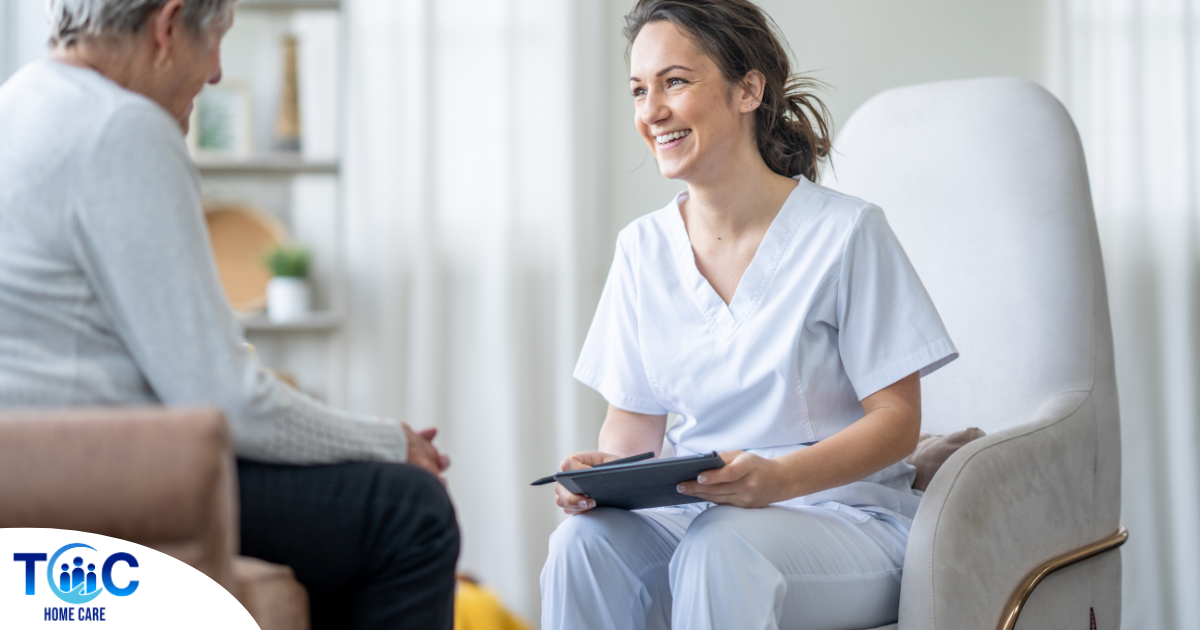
(163, 478)
(998, 509)
(272, 595)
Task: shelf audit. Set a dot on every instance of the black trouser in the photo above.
(374, 544)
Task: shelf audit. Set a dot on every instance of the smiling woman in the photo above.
(785, 326)
(791, 127)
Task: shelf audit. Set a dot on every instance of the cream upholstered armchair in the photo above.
(985, 184)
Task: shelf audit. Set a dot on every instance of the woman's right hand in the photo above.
(576, 503)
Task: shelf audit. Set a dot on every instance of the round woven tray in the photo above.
(241, 235)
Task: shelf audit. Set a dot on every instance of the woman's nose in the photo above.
(654, 109)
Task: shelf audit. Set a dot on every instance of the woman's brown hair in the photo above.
(792, 124)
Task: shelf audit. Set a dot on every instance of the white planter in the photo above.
(287, 299)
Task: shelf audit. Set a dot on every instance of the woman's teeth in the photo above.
(667, 137)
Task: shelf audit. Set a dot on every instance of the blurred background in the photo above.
(458, 171)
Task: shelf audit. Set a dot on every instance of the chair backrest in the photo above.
(984, 182)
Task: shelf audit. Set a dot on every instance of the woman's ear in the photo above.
(164, 28)
(750, 91)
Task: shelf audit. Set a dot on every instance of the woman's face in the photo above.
(195, 62)
(686, 112)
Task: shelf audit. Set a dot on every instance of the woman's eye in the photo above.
(638, 92)
(675, 81)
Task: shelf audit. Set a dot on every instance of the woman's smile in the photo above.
(670, 140)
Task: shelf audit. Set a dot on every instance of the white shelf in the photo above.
(314, 322)
(268, 164)
(289, 5)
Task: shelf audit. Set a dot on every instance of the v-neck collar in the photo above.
(724, 318)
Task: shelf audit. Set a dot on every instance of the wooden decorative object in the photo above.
(287, 124)
(241, 235)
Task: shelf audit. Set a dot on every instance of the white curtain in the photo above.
(473, 143)
(1129, 71)
(23, 34)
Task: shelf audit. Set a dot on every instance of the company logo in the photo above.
(76, 575)
(45, 581)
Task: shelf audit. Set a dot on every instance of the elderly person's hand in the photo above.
(422, 452)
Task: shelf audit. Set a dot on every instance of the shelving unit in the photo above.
(303, 190)
(267, 164)
(314, 322)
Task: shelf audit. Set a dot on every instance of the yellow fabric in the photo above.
(478, 608)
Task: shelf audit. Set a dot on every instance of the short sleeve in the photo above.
(611, 359)
(888, 327)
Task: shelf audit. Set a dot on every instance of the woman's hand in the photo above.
(576, 503)
(746, 480)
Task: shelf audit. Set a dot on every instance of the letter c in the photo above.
(106, 574)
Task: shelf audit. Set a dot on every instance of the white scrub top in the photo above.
(829, 311)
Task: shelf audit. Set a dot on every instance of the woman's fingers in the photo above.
(586, 459)
(735, 468)
(710, 490)
(734, 483)
(572, 503)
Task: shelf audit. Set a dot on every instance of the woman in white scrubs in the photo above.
(785, 326)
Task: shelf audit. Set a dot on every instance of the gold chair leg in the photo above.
(1008, 620)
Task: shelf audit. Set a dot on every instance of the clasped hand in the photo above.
(422, 452)
(746, 480)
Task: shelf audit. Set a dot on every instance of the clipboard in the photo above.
(639, 485)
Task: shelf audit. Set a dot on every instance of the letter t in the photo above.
(30, 560)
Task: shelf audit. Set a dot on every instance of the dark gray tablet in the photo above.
(640, 484)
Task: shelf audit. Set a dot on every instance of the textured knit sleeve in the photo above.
(140, 236)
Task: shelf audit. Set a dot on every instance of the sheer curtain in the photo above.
(23, 34)
(473, 142)
(1129, 71)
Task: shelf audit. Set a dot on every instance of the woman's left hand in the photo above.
(746, 480)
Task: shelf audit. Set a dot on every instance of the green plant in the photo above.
(289, 261)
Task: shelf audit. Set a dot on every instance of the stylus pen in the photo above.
(628, 460)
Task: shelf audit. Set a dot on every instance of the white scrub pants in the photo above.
(724, 568)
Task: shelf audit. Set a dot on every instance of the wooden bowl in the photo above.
(241, 235)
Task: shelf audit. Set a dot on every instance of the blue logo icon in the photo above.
(76, 580)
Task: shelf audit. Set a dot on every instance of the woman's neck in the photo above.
(743, 200)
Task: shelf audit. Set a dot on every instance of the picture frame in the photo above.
(221, 121)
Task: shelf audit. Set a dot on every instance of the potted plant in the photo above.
(288, 293)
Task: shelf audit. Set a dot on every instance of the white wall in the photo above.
(858, 47)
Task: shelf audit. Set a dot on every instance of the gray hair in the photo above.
(72, 20)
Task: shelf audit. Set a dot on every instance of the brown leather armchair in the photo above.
(162, 478)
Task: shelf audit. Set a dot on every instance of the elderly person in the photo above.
(109, 296)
